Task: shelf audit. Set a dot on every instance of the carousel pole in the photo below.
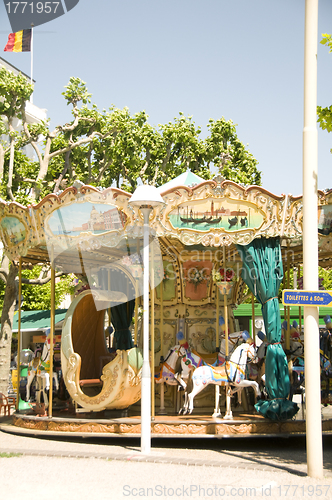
(217, 318)
(18, 363)
(216, 412)
(109, 309)
(225, 307)
(50, 404)
(162, 409)
(162, 319)
(287, 333)
(253, 316)
(152, 337)
(300, 310)
(310, 245)
(228, 415)
(136, 312)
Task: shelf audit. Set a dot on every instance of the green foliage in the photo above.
(76, 91)
(112, 147)
(38, 297)
(14, 92)
(325, 113)
(327, 40)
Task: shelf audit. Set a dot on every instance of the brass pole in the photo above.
(136, 312)
(300, 309)
(253, 316)
(161, 318)
(225, 306)
(152, 338)
(287, 333)
(50, 407)
(217, 318)
(19, 334)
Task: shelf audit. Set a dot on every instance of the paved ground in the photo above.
(114, 468)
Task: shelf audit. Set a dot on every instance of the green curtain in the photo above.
(262, 271)
(122, 316)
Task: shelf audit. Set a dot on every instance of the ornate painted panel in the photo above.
(220, 213)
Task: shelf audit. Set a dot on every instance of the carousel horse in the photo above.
(231, 374)
(170, 367)
(174, 371)
(39, 367)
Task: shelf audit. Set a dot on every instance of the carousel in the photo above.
(212, 245)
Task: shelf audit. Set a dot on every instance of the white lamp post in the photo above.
(310, 244)
(146, 198)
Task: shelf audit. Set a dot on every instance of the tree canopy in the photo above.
(108, 147)
(100, 148)
(325, 113)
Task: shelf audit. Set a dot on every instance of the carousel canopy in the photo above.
(188, 179)
(86, 228)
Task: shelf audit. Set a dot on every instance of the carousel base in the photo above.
(63, 423)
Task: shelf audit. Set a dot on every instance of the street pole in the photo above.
(146, 372)
(310, 245)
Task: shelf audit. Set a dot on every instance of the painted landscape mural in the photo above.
(86, 217)
(13, 230)
(203, 215)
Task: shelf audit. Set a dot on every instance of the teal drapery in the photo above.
(122, 315)
(262, 271)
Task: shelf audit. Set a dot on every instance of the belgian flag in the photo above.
(19, 41)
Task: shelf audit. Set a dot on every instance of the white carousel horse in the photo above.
(231, 374)
(170, 367)
(169, 373)
(177, 366)
(39, 367)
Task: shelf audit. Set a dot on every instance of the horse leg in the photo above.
(216, 412)
(182, 383)
(228, 414)
(56, 382)
(46, 387)
(38, 389)
(196, 390)
(30, 378)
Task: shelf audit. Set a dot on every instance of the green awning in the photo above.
(37, 320)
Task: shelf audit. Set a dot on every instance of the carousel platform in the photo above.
(243, 424)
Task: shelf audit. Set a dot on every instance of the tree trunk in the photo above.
(6, 328)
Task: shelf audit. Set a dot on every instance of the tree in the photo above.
(325, 114)
(99, 148)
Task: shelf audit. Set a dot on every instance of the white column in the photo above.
(310, 245)
(146, 372)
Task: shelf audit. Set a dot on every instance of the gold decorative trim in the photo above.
(209, 427)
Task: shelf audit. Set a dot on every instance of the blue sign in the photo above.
(307, 298)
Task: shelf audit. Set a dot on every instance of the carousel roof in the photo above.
(188, 179)
(85, 226)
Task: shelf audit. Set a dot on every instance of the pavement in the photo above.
(86, 468)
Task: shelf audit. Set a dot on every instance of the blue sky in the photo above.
(241, 59)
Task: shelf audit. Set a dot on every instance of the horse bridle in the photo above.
(238, 364)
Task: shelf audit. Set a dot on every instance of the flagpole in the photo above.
(31, 68)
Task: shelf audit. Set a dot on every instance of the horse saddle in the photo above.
(220, 371)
